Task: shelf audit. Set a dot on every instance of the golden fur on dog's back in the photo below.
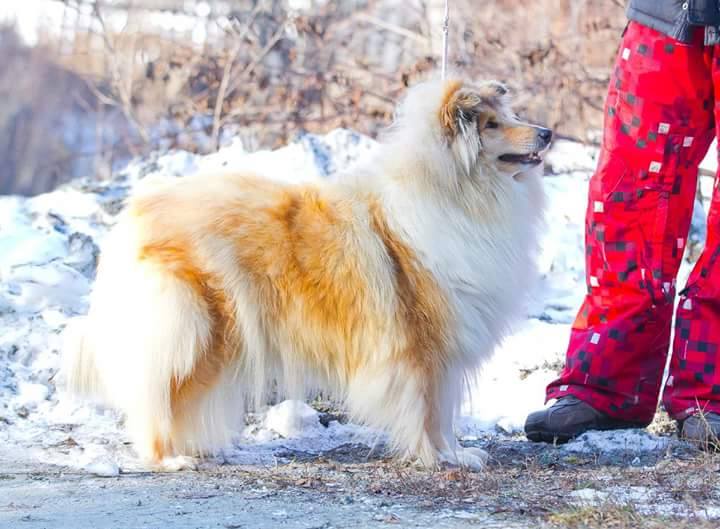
(212, 289)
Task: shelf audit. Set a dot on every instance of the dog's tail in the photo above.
(145, 349)
(78, 373)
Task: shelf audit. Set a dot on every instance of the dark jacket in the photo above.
(675, 18)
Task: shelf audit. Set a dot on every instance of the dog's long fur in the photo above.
(385, 288)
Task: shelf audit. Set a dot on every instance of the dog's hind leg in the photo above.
(208, 404)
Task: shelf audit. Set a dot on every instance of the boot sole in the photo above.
(706, 443)
(540, 436)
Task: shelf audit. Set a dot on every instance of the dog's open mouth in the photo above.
(532, 158)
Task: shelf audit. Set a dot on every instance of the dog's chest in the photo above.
(487, 285)
(485, 271)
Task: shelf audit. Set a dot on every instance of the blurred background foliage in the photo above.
(87, 84)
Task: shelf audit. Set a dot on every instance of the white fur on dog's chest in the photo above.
(485, 269)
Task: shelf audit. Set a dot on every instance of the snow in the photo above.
(32, 16)
(567, 156)
(638, 441)
(513, 383)
(646, 501)
(710, 163)
(35, 18)
(589, 496)
(103, 468)
(49, 249)
(292, 418)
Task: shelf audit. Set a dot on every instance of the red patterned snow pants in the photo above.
(662, 112)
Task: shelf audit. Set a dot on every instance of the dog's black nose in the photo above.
(545, 135)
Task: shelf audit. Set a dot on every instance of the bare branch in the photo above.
(227, 71)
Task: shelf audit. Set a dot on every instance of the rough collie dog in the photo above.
(384, 288)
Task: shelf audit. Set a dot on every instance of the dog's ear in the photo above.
(493, 91)
(462, 105)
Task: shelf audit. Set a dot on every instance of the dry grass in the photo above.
(612, 516)
(604, 516)
(662, 424)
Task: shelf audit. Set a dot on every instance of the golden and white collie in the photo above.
(384, 288)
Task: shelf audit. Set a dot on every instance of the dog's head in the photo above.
(477, 124)
(480, 126)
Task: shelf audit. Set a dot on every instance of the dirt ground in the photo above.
(525, 486)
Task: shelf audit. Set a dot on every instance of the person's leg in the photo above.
(693, 384)
(658, 126)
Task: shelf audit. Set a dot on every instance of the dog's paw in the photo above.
(472, 458)
(177, 463)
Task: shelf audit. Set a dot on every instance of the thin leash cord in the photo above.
(445, 29)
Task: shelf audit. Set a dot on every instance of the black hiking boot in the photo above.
(702, 429)
(568, 418)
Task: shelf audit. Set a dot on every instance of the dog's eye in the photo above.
(491, 124)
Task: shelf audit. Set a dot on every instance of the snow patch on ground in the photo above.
(104, 468)
(638, 441)
(292, 418)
